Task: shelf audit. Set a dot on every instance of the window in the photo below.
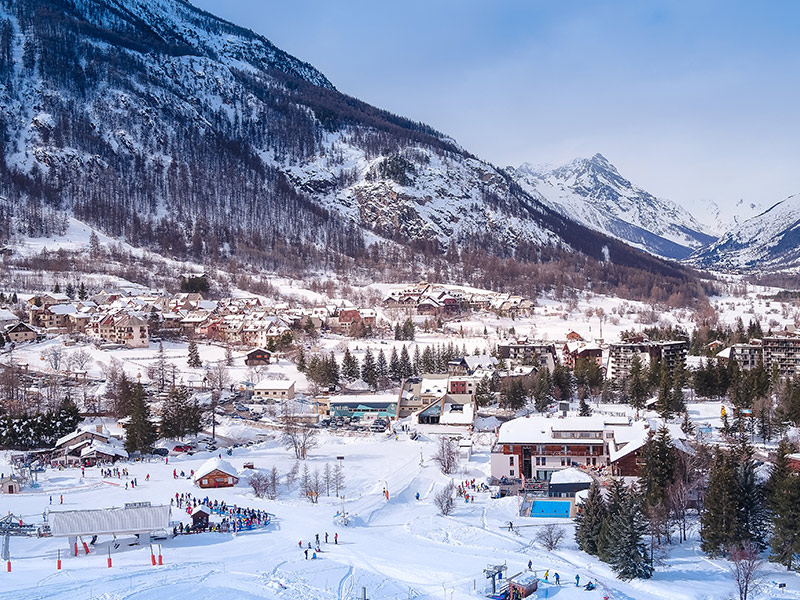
(511, 460)
(511, 472)
(563, 461)
(537, 460)
(544, 460)
(205, 481)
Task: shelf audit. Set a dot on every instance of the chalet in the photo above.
(346, 320)
(572, 336)
(216, 473)
(47, 300)
(97, 452)
(274, 389)
(200, 515)
(10, 485)
(74, 442)
(536, 447)
(794, 461)
(256, 357)
(7, 318)
(573, 350)
(626, 445)
(469, 364)
(20, 333)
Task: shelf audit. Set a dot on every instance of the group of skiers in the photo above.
(183, 474)
(557, 578)
(312, 551)
(109, 473)
(235, 518)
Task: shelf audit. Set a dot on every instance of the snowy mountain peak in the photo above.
(592, 191)
(769, 240)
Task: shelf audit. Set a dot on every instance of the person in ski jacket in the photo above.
(558, 579)
(577, 580)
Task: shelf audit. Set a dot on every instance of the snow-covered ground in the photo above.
(398, 549)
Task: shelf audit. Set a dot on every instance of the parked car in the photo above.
(182, 448)
(159, 451)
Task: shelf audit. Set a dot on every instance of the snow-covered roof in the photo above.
(274, 384)
(457, 414)
(215, 464)
(480, 361)
(101, 448)
(537, 429)
(570, 475)
(630, 439)
(109, 521)
(434, 385)
(7, 315)
(88, 429)
(63, 309)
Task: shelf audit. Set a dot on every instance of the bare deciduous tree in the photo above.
(445, 499)
(54, 357)
(80, 359)
(297, 435)
(272, 490)
(745, 568)
(447, 455)
(260, 484)
(550, 536)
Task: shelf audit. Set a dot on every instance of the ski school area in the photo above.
(382, 538)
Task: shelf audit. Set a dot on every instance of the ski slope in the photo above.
(397, 549)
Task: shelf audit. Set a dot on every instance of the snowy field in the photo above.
(398, 549)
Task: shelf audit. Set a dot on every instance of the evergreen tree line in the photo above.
(40, 430)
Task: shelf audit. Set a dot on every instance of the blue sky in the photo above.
(691, 100)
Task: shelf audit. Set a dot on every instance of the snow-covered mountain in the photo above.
(719, 221)
(591, 191)
(768, 241)
(167, 127)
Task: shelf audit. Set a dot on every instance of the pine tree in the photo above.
(427, 363)
(417, 370)
(381, 366)
(584, 410)
(406, 370)
(194, 356)
(350, 367)
(408, 330)
(719, 524)
(686, 425)
(542, 390)
(141, 433)
(628, 554)
(616, 497)
(657, 467)
(637, 389)
(514, 396)
(752, 509)
(664, 402)
(228, 356)
(483, 392)
(82, 293)
(589, 521)
(56, 288)
(180, 415)
(70, 290)
(394, 366)
(398, 333)
(300, 363)
(783, 492)
(369, 370)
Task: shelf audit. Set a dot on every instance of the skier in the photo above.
(336, 538)
(306, 552)
(546, 574)
(417, 496)
(326, 537)
(530, 565)
(317, 538)
(558, 579)
(300, 544)
(577, 580)
(589, 587)
(62, 498)
(51, 499)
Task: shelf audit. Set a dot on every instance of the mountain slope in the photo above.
(768, 241)
(592, 192)
(170, 128)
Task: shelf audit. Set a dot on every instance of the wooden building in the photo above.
(216, 473)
